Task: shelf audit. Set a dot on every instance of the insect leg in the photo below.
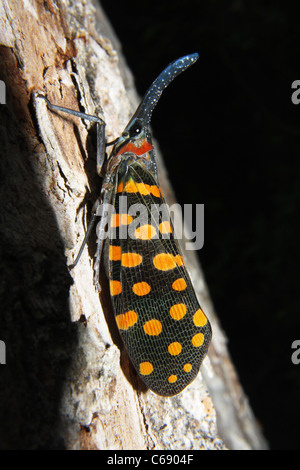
(106, 212)
(88, 232)
(100, 154)
(101, 209)
(100, 129)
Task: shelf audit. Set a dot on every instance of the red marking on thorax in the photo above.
(130, 147)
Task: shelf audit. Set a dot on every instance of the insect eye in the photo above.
(136, 129)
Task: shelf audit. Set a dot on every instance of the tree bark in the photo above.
(64, 384)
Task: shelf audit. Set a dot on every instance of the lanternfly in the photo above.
(164, 329)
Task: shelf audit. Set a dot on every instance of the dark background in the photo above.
(230, 136)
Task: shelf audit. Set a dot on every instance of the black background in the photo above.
(230, 136)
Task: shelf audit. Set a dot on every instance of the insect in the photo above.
(163, 327)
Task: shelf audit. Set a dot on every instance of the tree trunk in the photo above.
(64, 384)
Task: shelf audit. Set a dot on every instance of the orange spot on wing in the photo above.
(126, 320)
(145, 232)
(130, 260)
(179, 284)
(179, 260)
(199, 318)
(130, 187)
(174, 348)
(153, 327)
(141, 288)
(143, 189)
(155, 190)
(146, 368)
(178, 311)
(165, 227)
(197, 340)
(115, 287)
(114, 253)
(172, 379)
(187, 367)
(164, 261)
(120, 219)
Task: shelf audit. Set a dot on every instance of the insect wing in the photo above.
(157, 312)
